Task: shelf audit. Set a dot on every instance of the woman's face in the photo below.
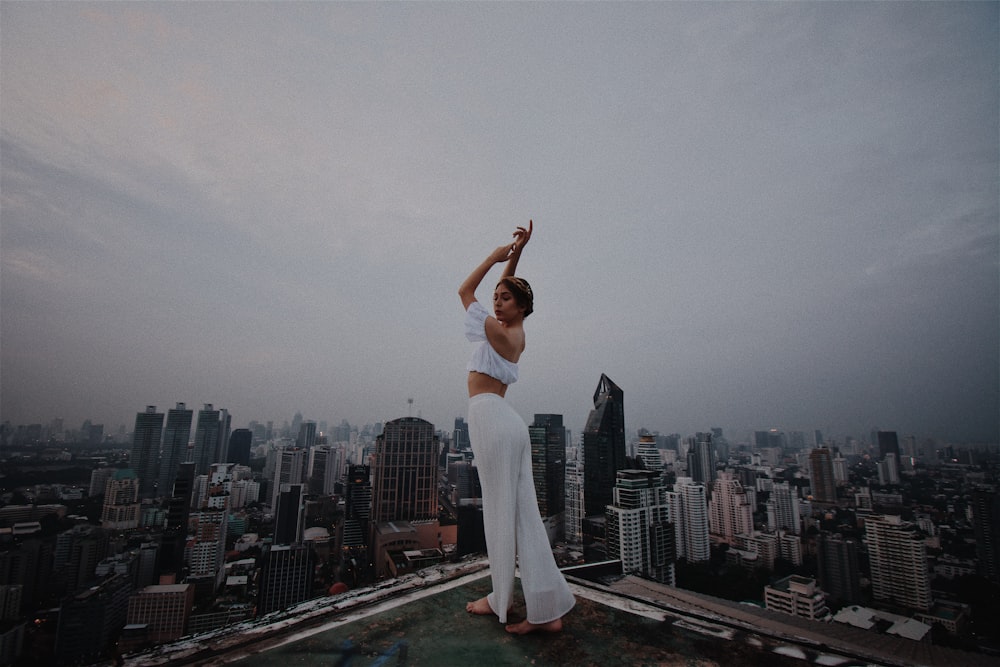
(505, 306)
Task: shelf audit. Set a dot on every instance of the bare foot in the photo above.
(480, 607)
(524, 627)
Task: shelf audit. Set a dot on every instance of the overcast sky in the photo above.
(748, 215)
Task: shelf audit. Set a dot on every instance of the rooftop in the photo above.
(631, 621)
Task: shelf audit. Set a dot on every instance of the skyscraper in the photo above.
(730, 512)
(986, 524)
(405, 472)
(649, 453)
(689, 514)
(326, 462)
(145, 460)
(357, 507)
(206, 439)
(286, 575)
(638, 530)
(175, 444)
(824, 486)
(783, 509)
(240, 443)
(289, 469)
(175, 532)
(603, 447)
(898, 559)
(548, 467)
(701, 459)
(837, 562)
(289, 515)
(888, 442)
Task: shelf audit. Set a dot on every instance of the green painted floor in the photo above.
(439, 633)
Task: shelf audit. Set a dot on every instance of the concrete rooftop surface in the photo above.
(422, 622)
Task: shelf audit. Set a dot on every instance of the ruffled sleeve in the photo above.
(475, 322)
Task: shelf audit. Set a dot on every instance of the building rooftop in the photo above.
(629, 621)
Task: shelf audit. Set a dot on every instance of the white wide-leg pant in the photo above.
(514, 528)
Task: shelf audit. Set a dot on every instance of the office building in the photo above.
(460, 435)
(176, 437)
(638, 529)
(649, 453)
(730, 511)
(986, 524)
(898, 559)
(575, 505)
(548, 468)
(286, 576)
(405, 472)
(821, 479)
(207, 439)
(325, 465)
(289, 514)
(289, 468)
(240, 443)
(888, 443)
(145, 459)
(603, 447)
(357, 507)
(174, 539)
(837, 568)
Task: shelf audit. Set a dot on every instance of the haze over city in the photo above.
(746, 214)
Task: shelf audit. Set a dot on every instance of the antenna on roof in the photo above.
(409, 410)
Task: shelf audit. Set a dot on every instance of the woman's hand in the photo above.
(521, 237)
(501, 254)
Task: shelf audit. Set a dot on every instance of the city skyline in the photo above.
(749, 215)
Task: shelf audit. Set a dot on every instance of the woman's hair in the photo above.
(521, 290)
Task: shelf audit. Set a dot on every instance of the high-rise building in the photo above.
(898, 559)
(175, 531)
(649, 453)
(306, 438)
(730, 511)
(286, 576)
(207, 551)
(240, 443)
(460, 436)
(90, 620)
(837, 562)
(289, 469)
(888, 443)
(824, 486)
(701, 459)
(574, 502)
(176, 436)
(689, 514)
(325, 464)
(145, 459)
(638, 530)
(77, 553)
(405, 472)
(888, 470)
(207, 437)
(357, 506)
(783, 509)
(548, 468)
(986, 524)
(289, 514)
(603, 447)
(121, 501)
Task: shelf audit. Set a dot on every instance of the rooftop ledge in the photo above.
(631, 621)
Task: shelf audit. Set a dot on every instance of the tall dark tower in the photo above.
(405, 472)
(986, 522)
(838, 573)
(548, 468)
(206, 439)
(289, 515)
(175, 444)
(824, 486)
(603, 447)
(145, 460)
(888, 443)
(175, 532)
(239, 446)
(701, 459)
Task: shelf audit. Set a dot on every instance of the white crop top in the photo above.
(485, 359)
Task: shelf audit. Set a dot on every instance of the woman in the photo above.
(502, 449)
